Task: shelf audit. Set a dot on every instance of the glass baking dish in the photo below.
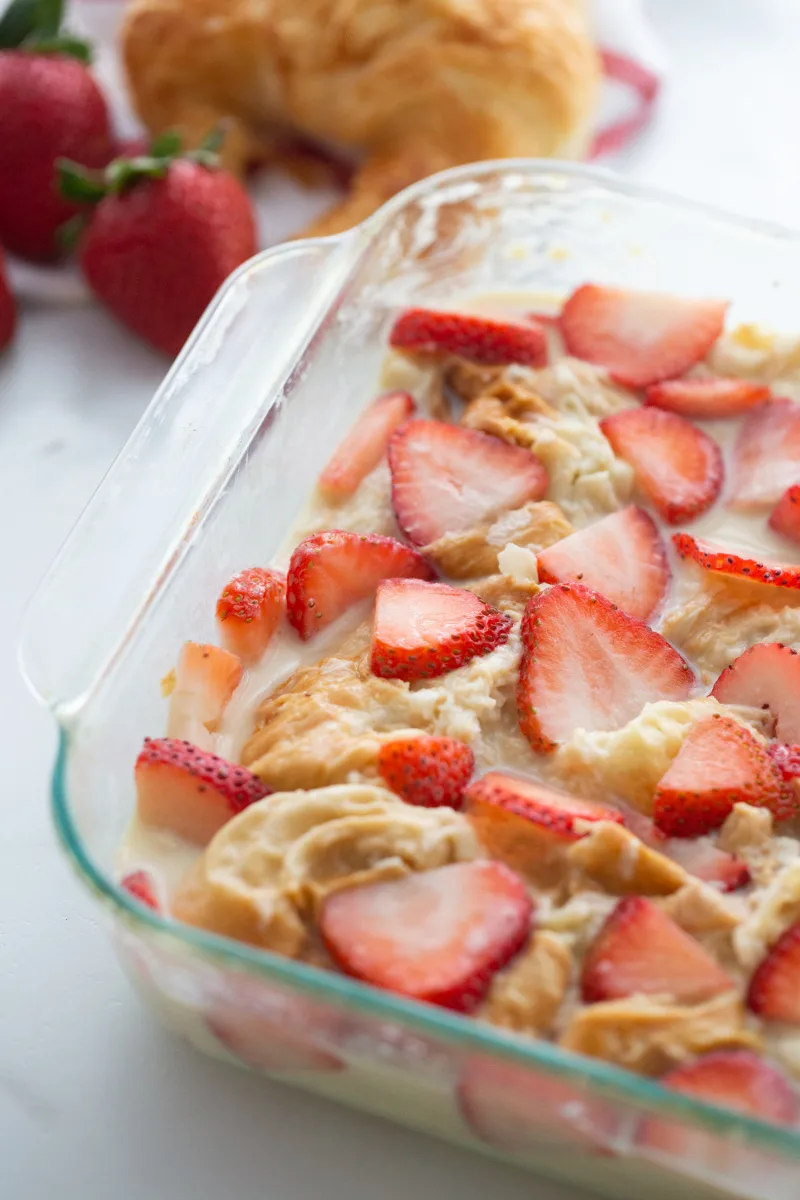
(209, 481)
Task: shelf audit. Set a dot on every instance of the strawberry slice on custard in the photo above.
(205, 679)
(707, 398)
(766, 456)
(785, 516)
(478, 339)
(249, 611)
(724, 562)
(142, 886)
(365, 445)
(765, 676)
(774, 993)
(427, 771)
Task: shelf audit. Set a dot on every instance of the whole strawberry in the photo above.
(165, 233)
(51, 107)
(8, 309)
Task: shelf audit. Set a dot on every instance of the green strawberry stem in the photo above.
(35, 26)
(84, 186)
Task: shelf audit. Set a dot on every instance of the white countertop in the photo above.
(96, 1101)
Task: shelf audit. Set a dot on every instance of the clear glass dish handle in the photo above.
(183, 449)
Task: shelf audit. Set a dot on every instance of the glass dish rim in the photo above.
(466, 1034)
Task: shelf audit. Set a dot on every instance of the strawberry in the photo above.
(706, 862)
(437, 935)
(716, 558)
(640, 337)
(765, 676)
(786, 760)
(586, 664)
(190, 792)
(165, 233)
(478, 339)
(142, 886)
(621, 556)
(774, 993)
(785, 516)
(641, 951)
(8, 308)
(427, 629)
(707, 398)
(564, 816)
(249, 610)
(264, 1043)
(446, 478)
(330, 572)
(677, 466)
(719, 764)
(51, 106)
(365, 445)
(428, 771)
(766, 456)
(205, 679)
(548, 320)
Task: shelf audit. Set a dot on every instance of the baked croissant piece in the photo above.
(413, 86)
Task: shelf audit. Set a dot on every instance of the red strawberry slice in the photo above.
(330, 572)
(249, 611)
(190, 792)
(548, 320)
(478, 339)
(719, 764)
(704, 861)
(142, 887)
(785, 516)
(446, 478)
(586, 664)
(437, 936)
(365, 445)
(716, 558)
(766, 457)
(427, 629)
(774, 992)
(265, 1043)
(765, 676)
(205, 679)
(640, 337)
(707, 399)
(786, 760)
(677, 466)
(621, 556)
(428, 771)
(641, 951)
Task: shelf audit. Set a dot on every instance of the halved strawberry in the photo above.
(641, 951)
(707, 399)
(266, 1044)
(249, 611)
(621, 556)
(190, 792)
(774, 991)
(446, 478)
(786, 760)
(427, 629)
(330, 572)
(437, 935)
(705, 861)
(142, 887)
(677, 466)
(586, 664)
(205, 679)
(365, 444)
(641, 337)
(766, 457)
(719, 764)
(716, 558)
(785, 516)
(428, 771)
(478, 339)
(765, 676)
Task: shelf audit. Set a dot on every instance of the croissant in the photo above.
(411, 86)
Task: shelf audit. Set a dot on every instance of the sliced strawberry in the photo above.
(142, 887)
(719, 764)
(446, 478)
(716, 558)
(706, 862)
(774, 991)
(586, 664)
(785, 516)
(249, 611)
(365, 445)
(205, 679)
(478, 339)
(190, 792)
(765, 676)
(641, 951)
(786, 760)
(435, 935)
(265, 1043)
(677, 466)
(766, 457)
(428, 771)
(330, 572)
(621, 556)
(640, 337)
(427, 629)
(548, 320)
(707, 399)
